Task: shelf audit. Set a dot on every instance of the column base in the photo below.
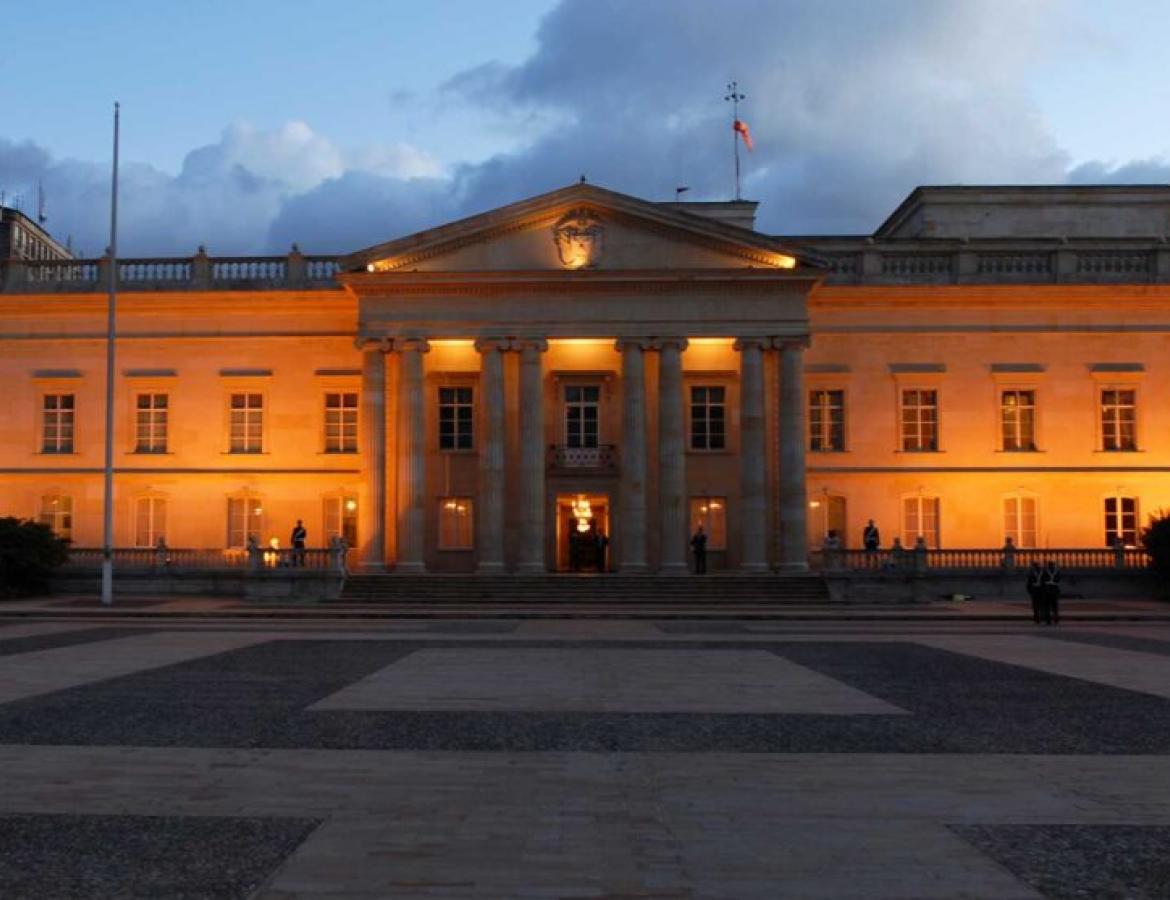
(410, 568)
(633, 569)
(674, 569)
(754, 568)
(794, 567)
(531, 568)
(371, 568)
(490, 568)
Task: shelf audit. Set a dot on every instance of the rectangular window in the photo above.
(1017, 416)
(826, 420)
(150, 521)
(1121, 518)
(150, 424)
(581, 408)
(456, 418)
(919, 420)
(1118, 419)
(711, 513)
(57, 513)
(1019, 520)
(247, 423)
(341, 519)
(708, 417)
(57, 423)
(245, 519)
(341, 422)
(920, 519)
(456, 523)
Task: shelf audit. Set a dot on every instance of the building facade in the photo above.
(495, 393)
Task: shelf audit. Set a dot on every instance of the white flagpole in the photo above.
(108, 493)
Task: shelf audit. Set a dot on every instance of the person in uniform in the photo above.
(699, 548)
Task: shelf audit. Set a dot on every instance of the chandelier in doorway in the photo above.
(582, 511)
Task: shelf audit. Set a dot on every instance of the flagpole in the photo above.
(111, 312)
(735, 96)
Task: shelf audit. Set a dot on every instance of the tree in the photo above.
(1156, 540)
(29, 552)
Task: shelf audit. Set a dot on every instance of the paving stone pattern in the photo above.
(185, 858)
(32, 643)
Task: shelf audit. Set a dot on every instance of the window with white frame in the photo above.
(711, 513)
(826, 420)
(708, 418)
(920, 519)
(919, 420)
(150, 423)
(57, 513)
(456, 523)
(581, 415)
(1118, 419)
(1017, 416)
(1019, 520)
(1121, 521)
(57, 420)
(341, 422)
(247, 423)
(245, 519)
(150, 520)
(456, 418)
(341, 519)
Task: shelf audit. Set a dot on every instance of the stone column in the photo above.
(632, 537)
(412, 475)
(793, 495)
(489, 540)
(672, 461)
(373, 448)
(532, 455)
(753, 498)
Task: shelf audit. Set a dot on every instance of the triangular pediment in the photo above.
(580, 227)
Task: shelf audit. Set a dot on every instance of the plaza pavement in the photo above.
(953, 756)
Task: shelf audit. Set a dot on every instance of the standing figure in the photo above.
(298, 543)
(602, 546)
(699, 547)
(871, 538)
(1035, 584)
(1050, 590)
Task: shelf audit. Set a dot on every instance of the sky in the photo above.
(250, 125)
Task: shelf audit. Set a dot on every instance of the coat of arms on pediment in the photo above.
(579, 236)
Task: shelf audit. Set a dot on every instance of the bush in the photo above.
(1156, 540)
(29, 552)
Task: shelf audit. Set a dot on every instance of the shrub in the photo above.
(29, 552)
(1156, 540)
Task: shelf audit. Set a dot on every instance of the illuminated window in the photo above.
(245, 519)
(57, 513)
(57, 423)
(341, 519)
(341, 422)
(919, 420)
(920, 519)
(456, 523)
(708, 418)
(1017, 416)
(1118, 419)
(150, 520)
(247, 423)
(1019, 520)
(711, 513)
(456, 418)
(581, 406)
(150, 424)
(826, 420)
(1121, 518)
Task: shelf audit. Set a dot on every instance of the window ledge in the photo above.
(323, 453)
(832, 451)
(471, 452)
(1118, 452)
(149, 453)
(51, 453)
(919, 452)
(724, 452)
(246, 453)
(1021, 452)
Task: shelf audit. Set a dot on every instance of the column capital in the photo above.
(488, 344)
(536, 344)
(384, 344)
(758, 343)
(622, 344)
(667, 343)
(795, 342)
(416, 344)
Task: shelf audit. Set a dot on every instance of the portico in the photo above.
(582, 344)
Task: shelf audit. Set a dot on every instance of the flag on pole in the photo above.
(741, 128)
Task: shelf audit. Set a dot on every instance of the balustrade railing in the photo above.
(179, 558)
(1010, 559)
(601, 458)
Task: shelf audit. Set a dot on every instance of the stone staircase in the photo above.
(590, 594)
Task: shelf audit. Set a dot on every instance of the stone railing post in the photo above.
(200, 269)
(162, 555)
(255, 555)
(1118, 553)
(1065, 265)
(295, 273)
(920, 556)
(1008, 559)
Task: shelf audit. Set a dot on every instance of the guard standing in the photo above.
(299, 534)
(699, 547)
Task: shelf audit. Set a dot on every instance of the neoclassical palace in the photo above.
(495, 393)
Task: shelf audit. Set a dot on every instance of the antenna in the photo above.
(734, 96)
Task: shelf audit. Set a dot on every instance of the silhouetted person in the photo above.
(602, 547)
(1035, 584)
(1050, 592)
(699, 548)
(299, 534)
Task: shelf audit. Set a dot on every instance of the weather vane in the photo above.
(739, 129)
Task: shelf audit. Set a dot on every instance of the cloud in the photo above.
(852, 104)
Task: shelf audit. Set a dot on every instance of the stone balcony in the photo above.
(601, 460)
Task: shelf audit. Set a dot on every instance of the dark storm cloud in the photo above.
(852, 103)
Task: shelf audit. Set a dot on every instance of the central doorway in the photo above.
(583, 533)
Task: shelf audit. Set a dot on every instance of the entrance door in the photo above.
(583, 533)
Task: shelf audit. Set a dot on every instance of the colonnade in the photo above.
(491, 504)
